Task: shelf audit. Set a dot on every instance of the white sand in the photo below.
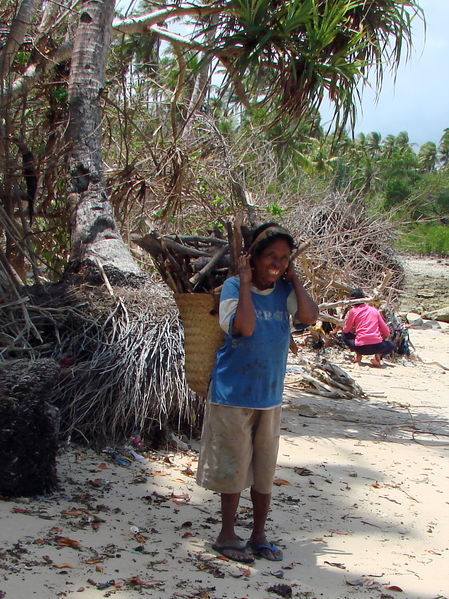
(372, 517)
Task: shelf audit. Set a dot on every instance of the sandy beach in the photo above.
(360, 505)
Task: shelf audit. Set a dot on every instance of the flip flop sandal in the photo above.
(239, 553)
(268, 551)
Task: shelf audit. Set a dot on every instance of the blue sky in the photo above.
(418, 102)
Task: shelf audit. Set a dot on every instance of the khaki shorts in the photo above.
(239, 448)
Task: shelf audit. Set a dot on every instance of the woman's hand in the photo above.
(245, 272)
(308, 310)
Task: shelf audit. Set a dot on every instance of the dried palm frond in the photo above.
(121, 358)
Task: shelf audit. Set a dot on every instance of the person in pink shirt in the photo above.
(365, 331)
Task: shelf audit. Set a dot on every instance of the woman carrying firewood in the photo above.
(242, 422)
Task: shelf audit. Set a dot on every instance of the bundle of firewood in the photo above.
(193, 263)
(195, 267)
(320, 377)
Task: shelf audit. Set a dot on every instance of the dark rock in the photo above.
(28, 427)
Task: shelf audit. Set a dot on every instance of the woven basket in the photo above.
(202, 337)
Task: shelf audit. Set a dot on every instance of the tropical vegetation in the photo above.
(198, 121)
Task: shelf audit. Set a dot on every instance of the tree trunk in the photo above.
(9, 191)
(202, 81)
(16, 36)
(95, 237)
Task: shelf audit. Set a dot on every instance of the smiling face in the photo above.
(271, 264)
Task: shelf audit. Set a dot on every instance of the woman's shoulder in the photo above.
(230, 287)
(233, 281)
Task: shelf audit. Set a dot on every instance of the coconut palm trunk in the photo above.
(95, 236)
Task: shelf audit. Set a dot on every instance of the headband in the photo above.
(268, 232)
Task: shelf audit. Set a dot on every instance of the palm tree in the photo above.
(95, 236)
(373, 143)
(443, 148)
(403, 142)
(388, 146)
(427, 156)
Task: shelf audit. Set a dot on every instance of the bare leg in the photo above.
(261, 506)
(228, 543)
(357, 359)
(258, 540)
(229, 505)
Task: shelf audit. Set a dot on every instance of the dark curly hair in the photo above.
(356, 293)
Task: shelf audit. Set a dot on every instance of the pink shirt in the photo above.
(368, 324)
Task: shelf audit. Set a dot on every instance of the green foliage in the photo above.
(430, 198)
(275, 210)
(426, 238)
(428, 156)
(443, 148)
(314, 49)
(21, 58)
(59, 93)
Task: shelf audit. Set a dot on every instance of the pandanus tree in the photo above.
(286, 56)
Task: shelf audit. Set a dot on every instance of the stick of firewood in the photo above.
(184, 250)
(328, 394)
(199, 276)
(198, 239)
(235, 242)
(347, 302)
(152, 243)
(384, 283)
(233, 259)
(183, 281)
(321, 386)
(331, 319)
(350, 387)
(171, 282)
(238, 221)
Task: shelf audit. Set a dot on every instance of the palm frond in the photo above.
(290, 54)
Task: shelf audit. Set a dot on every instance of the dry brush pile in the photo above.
(348, 248)
(121, 351)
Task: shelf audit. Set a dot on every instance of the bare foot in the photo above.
(376, 363)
